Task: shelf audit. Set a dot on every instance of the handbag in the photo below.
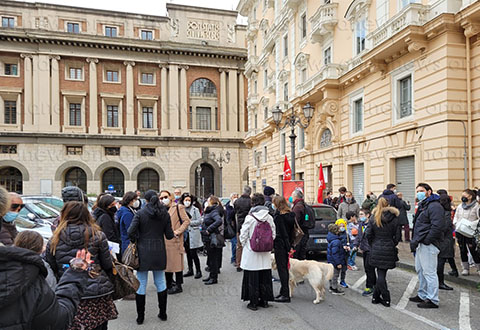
(217, 240)
(466, 227)
(124, 280)
(297, 233)
(228, 232)
(130, 256)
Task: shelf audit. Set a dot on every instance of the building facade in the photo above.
(113, 101)
(394, 84)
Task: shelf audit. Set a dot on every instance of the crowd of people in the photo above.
(69, 283)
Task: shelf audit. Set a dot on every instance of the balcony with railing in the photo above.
(324, 21)
(329, 71)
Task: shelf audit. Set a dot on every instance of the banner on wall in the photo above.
(289, 186)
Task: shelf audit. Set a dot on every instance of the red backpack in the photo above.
(262, 238)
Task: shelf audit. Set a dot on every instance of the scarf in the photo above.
(466, 206)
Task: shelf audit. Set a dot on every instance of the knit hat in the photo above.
(333, 228)
(72, 194)
(341, 221)
(268, 191)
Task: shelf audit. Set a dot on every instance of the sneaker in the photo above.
(416, 299)
(367, 292)
(465, 272)
(349, 267)
(337, 292)
(343, 284)
(330, 289)
(427, 304)
(354, 268)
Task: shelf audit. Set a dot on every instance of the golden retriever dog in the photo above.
(317, 273)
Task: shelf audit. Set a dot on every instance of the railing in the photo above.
(330, 71)
(324, 20)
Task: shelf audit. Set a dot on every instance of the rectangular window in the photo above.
(283, 141)
(148, 152)
(327, 56)
(255, 123)
(112, 76)
(112, 151)
(110, 31)
(255, 87)
(75, 73)
(147, 35)
(147, 115)
(360, 34)
(216, 119)
(8, 149)
(204, 118)
(112, 116)
(75, 114)
(303, 26)
(357, 115)
(265, 155)
(10, 112)
(382, 12)
(405, 95)
(285, 92)
(190, 117)
(301, 138)
(10, 69)
(304, 75)
(8, 22)
(285, 46)
(73, 28)
(254, 185)
(407, 2)
(265, 78)
(147, 78)
(74, 150)
(265, 113)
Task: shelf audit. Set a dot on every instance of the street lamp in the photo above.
(199, 171)
(293, 120)
(221, 159)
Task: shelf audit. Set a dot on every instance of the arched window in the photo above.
(11, 179)
(113, 181)
(326, 139)
(148, 179)
(203, 88)
(76, 177)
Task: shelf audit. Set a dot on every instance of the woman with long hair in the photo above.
(125, 214)
(77, 230)
(175, 249)
(193, 240)
(149, 228)
(105, 212)
(284, 220)
(383, 237)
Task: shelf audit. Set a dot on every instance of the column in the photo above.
(92, 96)
(41, 92)
(232, 100)
(241, 101)
(55, 94)
(164, 97)
(183, 97)
(129, 106)
(173, 100)
(223, 100)
(28, 94)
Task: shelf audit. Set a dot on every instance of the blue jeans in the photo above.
(426, 267)
(158, 279)
(233, 242)
(351, 258)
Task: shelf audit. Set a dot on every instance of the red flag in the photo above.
(321, 185)
(287, 171)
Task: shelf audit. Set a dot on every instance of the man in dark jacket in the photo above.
(269, 192)
(299, 210)
(390, 194)
(425, 244)
(230, 216)
(242, 207)
(341, 197)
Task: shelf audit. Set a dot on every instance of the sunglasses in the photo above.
(165, 197)
(16, 206)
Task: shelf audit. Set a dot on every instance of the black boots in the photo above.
(376, 297)
(162, 305)
(386, 299)
(140, 301)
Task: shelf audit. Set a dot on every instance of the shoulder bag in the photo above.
(466, 227)
(124, 280)
(130, 256)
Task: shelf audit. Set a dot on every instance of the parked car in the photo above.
(324, 215)
(57, 202)
(37, 216)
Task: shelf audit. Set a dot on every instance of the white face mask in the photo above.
(136, 204)
(166, 201)
(187, 203)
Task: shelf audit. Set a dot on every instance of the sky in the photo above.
(152, 7)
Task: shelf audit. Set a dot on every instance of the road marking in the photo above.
(421, 318)
(464, 311)
(360, 281)
(402, 304)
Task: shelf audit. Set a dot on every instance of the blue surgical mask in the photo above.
(274, 207)
(10, 216)
(362, 219)
(342, 229)
(290, 199)
(421, 195)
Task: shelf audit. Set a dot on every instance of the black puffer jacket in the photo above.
(73, 239)
(284, 225)
(383, 240)
(428, 223)
(149, 228)
(106, 221)
(242, 207)
(27, 302)
(213, 220)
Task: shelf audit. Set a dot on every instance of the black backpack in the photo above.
(309, 222)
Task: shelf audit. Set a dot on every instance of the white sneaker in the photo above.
(465, 272)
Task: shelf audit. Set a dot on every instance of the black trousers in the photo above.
(178, 279)
(281, 258)
(381, 286)
(301, 248)
(440, 270)
(467, 244)
(214, 255)
(369, 270)
(104, 326)
(192, 256)
(451, 262)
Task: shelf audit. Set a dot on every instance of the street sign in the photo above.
(111, 187)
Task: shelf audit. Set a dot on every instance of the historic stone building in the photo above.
(116, 101)
(395, 86)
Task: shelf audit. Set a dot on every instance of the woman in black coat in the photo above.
(382, 235)
(105, 212)
(149, 227)
(212, 231)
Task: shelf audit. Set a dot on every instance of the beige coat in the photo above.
(175, 249)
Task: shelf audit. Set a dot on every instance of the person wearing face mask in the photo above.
(349, 205)
(428, 225)
(193, 241)
(177, 194)
(107, 208)
(361, 243)
(130, 203)
(469, 210)
(9, 230)
(175, 248)
(336, 255)
(341, 197)
(230, 216)
(390, 194)
(347, 247)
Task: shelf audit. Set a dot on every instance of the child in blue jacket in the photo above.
(337, 256)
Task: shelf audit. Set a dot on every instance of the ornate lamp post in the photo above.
(199, 180)
(221, 160)
(293, 120)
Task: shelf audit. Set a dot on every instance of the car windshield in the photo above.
(39, 209)
(325, 213)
